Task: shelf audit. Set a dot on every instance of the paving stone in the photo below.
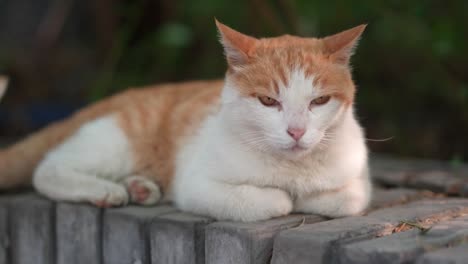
(389, 197)
(234, 242)
(436, 209)
(78, 234)
(313, 243)
(390, 178)
(178, 238)
(392, 163)
(318, 242)
(405, 246)
(464, 190)
(31, 220)
(4, 238)
(421, 174)
(454, 255)
(126, 233)
(437, 181)
(387, 163)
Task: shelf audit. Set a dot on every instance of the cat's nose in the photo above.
(296, 133)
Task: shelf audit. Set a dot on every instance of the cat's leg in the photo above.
(233, 202)
(87, 166)
(350, 199)
(142, 190)
(66, 184)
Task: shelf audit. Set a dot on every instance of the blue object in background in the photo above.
(35, 116)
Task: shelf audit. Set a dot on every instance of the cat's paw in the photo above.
(114, 195)
(142, 190)
(268, 203)
(348, 201)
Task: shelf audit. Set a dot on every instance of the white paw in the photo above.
(142, 190)
(268, 203)
(352, 206)
(113, 195)
(334, 204)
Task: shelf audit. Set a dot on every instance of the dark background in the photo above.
(410, 67)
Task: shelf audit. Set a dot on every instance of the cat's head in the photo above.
(283, 94)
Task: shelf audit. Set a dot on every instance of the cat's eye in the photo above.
(320, 100)
(268, 101)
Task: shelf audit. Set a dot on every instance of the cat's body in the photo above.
(279, 134)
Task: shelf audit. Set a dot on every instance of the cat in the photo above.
(278, 135)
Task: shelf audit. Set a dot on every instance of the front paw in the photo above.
(268, 203)
(112, 195)
(346, 202)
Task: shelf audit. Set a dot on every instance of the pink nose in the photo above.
(296, 133)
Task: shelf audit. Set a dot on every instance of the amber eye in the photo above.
(267, 101)
(320, 100)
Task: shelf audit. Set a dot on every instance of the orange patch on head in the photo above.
(269, 62)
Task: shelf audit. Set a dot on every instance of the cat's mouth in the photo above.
(296, 148)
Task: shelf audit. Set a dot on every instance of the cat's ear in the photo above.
(237, 46)
(340, 47)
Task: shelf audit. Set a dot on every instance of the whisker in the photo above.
(379, 140)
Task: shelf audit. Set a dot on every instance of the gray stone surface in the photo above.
(4, 238)
(464, 190)
(432, 175)
(392, 163)
(126, 233)
(319, 242)
(315, 243)
(437, 209)
(389, 197)
(437, 181)
(31, 224)
(454, 255)
(406, 246)
(390, 178)
(178, 238)
(78, 234)
(233, 242)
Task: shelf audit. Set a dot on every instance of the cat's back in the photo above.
(171, 106)
(158, 121)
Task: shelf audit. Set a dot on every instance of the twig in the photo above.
(422, 228)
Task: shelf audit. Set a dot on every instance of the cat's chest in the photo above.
(271, 173)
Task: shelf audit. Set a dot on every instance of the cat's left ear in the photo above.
(238, 47)
(340, 47)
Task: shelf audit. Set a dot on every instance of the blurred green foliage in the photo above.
(410, 66)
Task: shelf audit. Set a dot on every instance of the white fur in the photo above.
(241, 166)
(88, 166)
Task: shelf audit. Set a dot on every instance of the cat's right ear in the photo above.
(341, 46)
(238, 47)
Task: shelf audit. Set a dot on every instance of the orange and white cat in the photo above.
(277, 135)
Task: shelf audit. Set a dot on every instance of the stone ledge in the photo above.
(454, 255)
(435, 176)
(36, 230)
(406, 246)
(322, 242)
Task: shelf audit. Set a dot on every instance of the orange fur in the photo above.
(267, 62)
(154, 118)
(158, 119)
